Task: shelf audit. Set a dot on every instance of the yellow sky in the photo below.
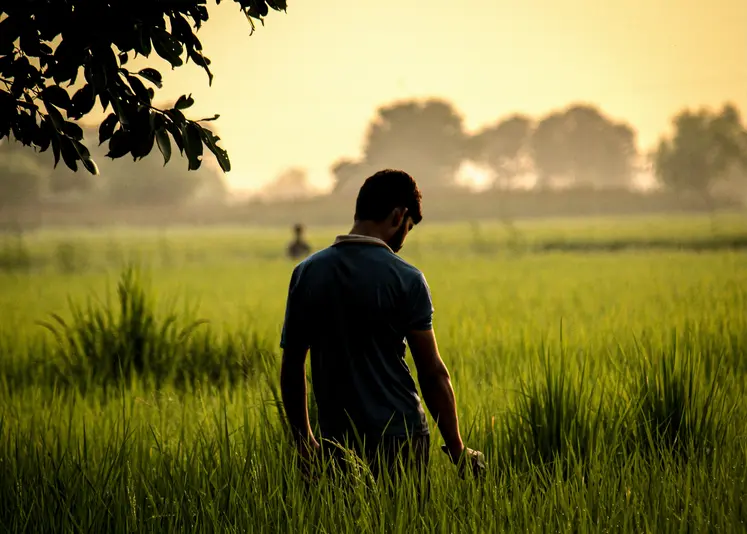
(302, 89)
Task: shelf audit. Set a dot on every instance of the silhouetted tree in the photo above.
(348, 174)
(425, 139)
(705, 148)
(584, 148)
(125, 182)
(125, 185)
(503, 148)
(291, 184)
(26, 177)
(20, 175)
(47, 43)
(62, 181)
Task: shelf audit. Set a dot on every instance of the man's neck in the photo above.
(367, 229)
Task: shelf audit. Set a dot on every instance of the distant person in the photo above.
(298, 248)
(353, 305)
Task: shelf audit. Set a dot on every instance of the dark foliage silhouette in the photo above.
(58, 58)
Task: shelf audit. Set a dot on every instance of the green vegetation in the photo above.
(606, 388)
(45, 45)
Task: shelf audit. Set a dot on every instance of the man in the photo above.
(353, 305)
(298, 248)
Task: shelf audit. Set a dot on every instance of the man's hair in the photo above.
(386, 190)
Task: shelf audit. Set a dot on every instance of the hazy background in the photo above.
(332, 91)
(301, 90)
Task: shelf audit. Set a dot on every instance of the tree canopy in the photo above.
(706, 147)
(20, 176)
(291, 184)
(583, 147)
(577, 147)
(57, 59)
(502, 147)
(425, 137)
(28, 179)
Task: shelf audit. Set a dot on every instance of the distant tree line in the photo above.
(578, 147)
(27, 178)
(58, 60)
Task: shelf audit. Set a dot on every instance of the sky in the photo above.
(301, 91)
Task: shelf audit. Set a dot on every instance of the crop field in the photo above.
(599, 365)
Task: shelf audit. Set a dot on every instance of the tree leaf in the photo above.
(211, 140)
(54, 94)
(222, 157)
(181, 29)
(83, 101)
(43, 136)
(167, 47)
(138, 88)
(54, 115)
(56, 147)
(143, 144)
(164, 144)
(81, 149)
(72, 130)
(85, 158)
(24, 128)
(61, 67)
(193, 145)
(176, 133)
(119, 145)
(69, 154)
(176, 116)
(203, 62)
(279, 5)
(91, 166)
(104, 100)
(142, 44)
(258, 9)
(153, 76)
(106, 130)
(184, 102)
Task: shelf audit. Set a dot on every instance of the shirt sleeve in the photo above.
(294, 333)
(420, 304)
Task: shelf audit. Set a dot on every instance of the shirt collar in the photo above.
(362, 239)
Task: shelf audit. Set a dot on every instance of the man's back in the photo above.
(353, 304)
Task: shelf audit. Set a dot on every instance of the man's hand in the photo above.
(469, 461)
(309, 448)
(309, 452)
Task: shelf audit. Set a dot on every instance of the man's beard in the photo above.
(398, 239)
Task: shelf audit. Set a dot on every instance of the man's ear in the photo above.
(398, 215)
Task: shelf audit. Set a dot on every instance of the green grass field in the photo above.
(605, 387)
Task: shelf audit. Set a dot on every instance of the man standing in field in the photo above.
(353, 305)
(299, 247)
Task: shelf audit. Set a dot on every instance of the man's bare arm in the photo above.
(435, 384)
(295, 401)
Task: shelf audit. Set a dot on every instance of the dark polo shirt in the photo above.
(352, 305)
